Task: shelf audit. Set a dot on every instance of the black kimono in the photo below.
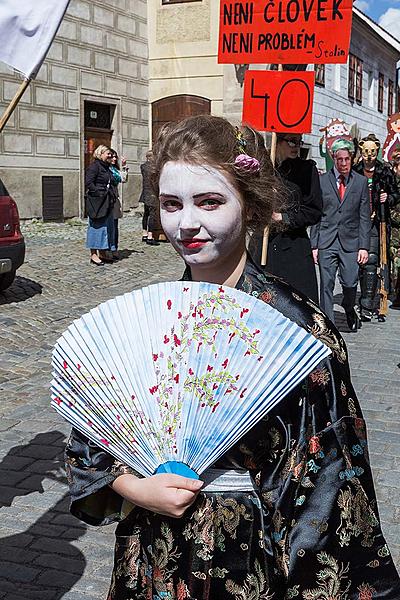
(310, 529)
(289, 252)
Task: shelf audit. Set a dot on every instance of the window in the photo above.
(371, 89)
(355, 78)
(359, 80)
(319, 74)
(390, 97)
(178, 1)
(352, 76)
(381, 84)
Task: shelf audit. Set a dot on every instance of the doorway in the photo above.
(97, 128)
(175, 108)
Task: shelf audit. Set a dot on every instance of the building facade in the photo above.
(91, 89)
(184, 75)
(362, 92)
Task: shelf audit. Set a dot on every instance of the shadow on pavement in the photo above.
(40, 562)
(20, 290)
(24, 468)
(125, 253)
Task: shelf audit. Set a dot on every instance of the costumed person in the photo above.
(289, 251)
(336, 129)
(383, 194)
(300, 518)
(340, 241)
(150, 204)
(392, 142)
(119, 175)
(99, 198)
(395, 237)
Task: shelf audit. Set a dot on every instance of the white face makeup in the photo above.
(201, 214)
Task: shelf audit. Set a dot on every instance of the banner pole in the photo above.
(264, 250)
(11, 107)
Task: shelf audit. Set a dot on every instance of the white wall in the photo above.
(332, 100)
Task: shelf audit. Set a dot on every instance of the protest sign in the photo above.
(284, 31)
(279, 101)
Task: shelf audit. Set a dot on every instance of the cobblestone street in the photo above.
(45, 553)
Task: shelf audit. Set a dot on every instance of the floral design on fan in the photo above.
(213, 313)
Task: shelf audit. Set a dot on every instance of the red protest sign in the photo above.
(278, 101)
(284, 31)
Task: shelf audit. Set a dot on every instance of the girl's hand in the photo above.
(123, 161)
(165, 494)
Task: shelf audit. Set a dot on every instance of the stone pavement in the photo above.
(44, 552)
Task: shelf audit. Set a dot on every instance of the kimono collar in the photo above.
(251, 279)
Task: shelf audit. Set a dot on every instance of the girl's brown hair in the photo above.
(214, 141)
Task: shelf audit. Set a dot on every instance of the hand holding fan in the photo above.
(168, 377)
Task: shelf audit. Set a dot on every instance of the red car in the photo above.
(12, 243)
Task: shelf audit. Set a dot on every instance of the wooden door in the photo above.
(175, 108)
(94, 138)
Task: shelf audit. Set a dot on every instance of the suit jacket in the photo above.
(349, 219)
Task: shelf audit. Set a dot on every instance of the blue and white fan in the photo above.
(168, 377)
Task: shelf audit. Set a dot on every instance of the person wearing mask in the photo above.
(383, 195)
(395, 238)
(340, 241)
(289, 251)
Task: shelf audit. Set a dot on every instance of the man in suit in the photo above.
(340, 241)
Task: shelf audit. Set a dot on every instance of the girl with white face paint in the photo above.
(202, 214)
(250, 531)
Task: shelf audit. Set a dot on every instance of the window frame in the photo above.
(166, 2)
(351, 83)
(359, 80)
(390, 97)
(381, 91)
(319, 71)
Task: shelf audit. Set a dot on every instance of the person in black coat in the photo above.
(289, 251)
(99, 205)
(384, 195)
(150, 220)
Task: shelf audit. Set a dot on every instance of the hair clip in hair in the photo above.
(247, 163)
(241, 140)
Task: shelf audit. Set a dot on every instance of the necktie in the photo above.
(342, 187)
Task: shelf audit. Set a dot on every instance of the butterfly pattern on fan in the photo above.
(177, 371)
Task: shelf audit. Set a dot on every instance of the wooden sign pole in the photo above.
(264, 250)
(10, 108)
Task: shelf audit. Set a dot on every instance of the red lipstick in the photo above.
(193, 243)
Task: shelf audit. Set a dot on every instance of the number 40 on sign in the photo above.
(279, 101)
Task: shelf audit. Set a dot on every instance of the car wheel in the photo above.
(6, 280)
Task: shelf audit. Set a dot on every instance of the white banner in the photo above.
(27, 29)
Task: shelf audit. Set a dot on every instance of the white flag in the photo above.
(27, 28)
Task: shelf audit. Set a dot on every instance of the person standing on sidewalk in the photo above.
(383, 195)
(340, 241)
(150, 203)
(119, 175)
(99, 205)
(289, 251)
(395, 241)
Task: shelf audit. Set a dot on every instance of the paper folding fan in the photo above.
(168, 377)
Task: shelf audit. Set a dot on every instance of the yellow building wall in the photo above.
(183, 48)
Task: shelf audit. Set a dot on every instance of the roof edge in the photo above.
(379, 30)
